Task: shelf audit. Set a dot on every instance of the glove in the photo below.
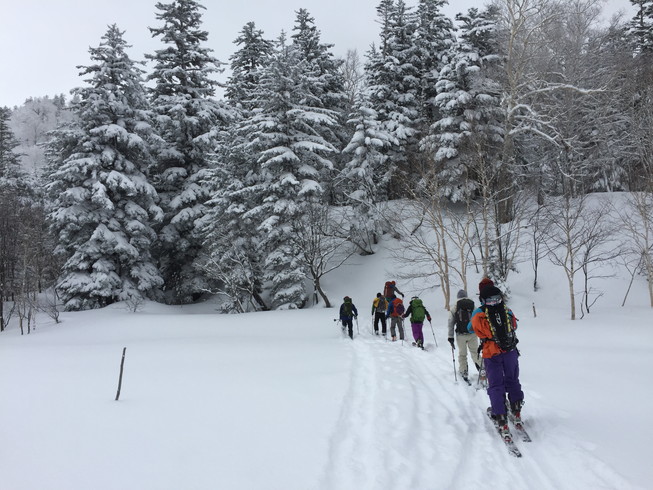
(450, 339)
(428, 318)
(356, 316)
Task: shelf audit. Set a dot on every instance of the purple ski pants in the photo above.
(417, 331)
(503, 377)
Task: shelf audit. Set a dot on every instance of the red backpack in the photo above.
(389, 289)
(397, 308)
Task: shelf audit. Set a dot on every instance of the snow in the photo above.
(282, 400)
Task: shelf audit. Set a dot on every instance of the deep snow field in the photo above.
(281, 400)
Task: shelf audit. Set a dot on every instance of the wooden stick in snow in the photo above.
(122, 365)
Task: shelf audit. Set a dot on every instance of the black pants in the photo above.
(379, 317)
(350, 326)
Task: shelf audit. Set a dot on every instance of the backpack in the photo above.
(347, 308)
(418, 311)
(381, 305)
(389, 289)
(398, 307)
(503, 331)
(464, 309)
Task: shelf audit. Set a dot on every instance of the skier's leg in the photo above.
(461, 341)
(511, 369)
(472, 344)
(417, 330)
(496, 384)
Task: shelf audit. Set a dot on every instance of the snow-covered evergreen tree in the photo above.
(393, 79)
(326, 86)
(12, 176)
(188, 119)
(101, 203)
(366, 177)
(246, 62)
(328, 83)
(231, 253)
(434, 37)
(640, 28)
(286, 137)
(470, 127)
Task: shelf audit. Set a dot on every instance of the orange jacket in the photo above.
(481, 327)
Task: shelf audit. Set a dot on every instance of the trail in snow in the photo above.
(405, 424)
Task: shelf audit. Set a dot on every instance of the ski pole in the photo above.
(357, 329)
(436, 342)
(453, 358)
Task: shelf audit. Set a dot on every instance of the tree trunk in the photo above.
(318, 287)
(572, 296)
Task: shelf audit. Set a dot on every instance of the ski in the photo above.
(518, 423)
(507, 438)
(466, 380)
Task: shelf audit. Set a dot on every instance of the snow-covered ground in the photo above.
(281, 400)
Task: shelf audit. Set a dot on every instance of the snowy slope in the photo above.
(281, 400)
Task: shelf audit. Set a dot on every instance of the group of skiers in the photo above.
(388, 306)
(492, 323)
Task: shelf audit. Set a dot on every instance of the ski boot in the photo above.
(514, 411)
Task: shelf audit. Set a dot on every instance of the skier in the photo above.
(495, 325)
(417, 313)
(390, 289)
(460, 316)
(347, 313)
(379, 306)
(395, 311)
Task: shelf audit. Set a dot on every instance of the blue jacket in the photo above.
(344, 317)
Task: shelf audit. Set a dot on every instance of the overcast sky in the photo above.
(43, 41)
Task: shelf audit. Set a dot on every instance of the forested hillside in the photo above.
(465, 138)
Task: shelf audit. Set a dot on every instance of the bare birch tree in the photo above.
(637, 221)
(578, 238)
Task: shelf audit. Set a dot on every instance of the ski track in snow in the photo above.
(405, 424)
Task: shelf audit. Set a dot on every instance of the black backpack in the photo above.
(503, 332)
(464, 309)
(347, 308)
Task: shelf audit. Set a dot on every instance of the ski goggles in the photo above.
(493, 300)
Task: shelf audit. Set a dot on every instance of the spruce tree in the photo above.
(188, 119)
(101, 203)
(640, 28)
(285, 137)
(365, 177)
(469, 130)
(394, 84)
(325, 83)
(11, 173)
(434, 37)
(246, 64)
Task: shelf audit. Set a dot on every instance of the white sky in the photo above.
(43, 41)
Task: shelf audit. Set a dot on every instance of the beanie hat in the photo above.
(491, 295)
(378, 295)
(486, 281)
(462, 294)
